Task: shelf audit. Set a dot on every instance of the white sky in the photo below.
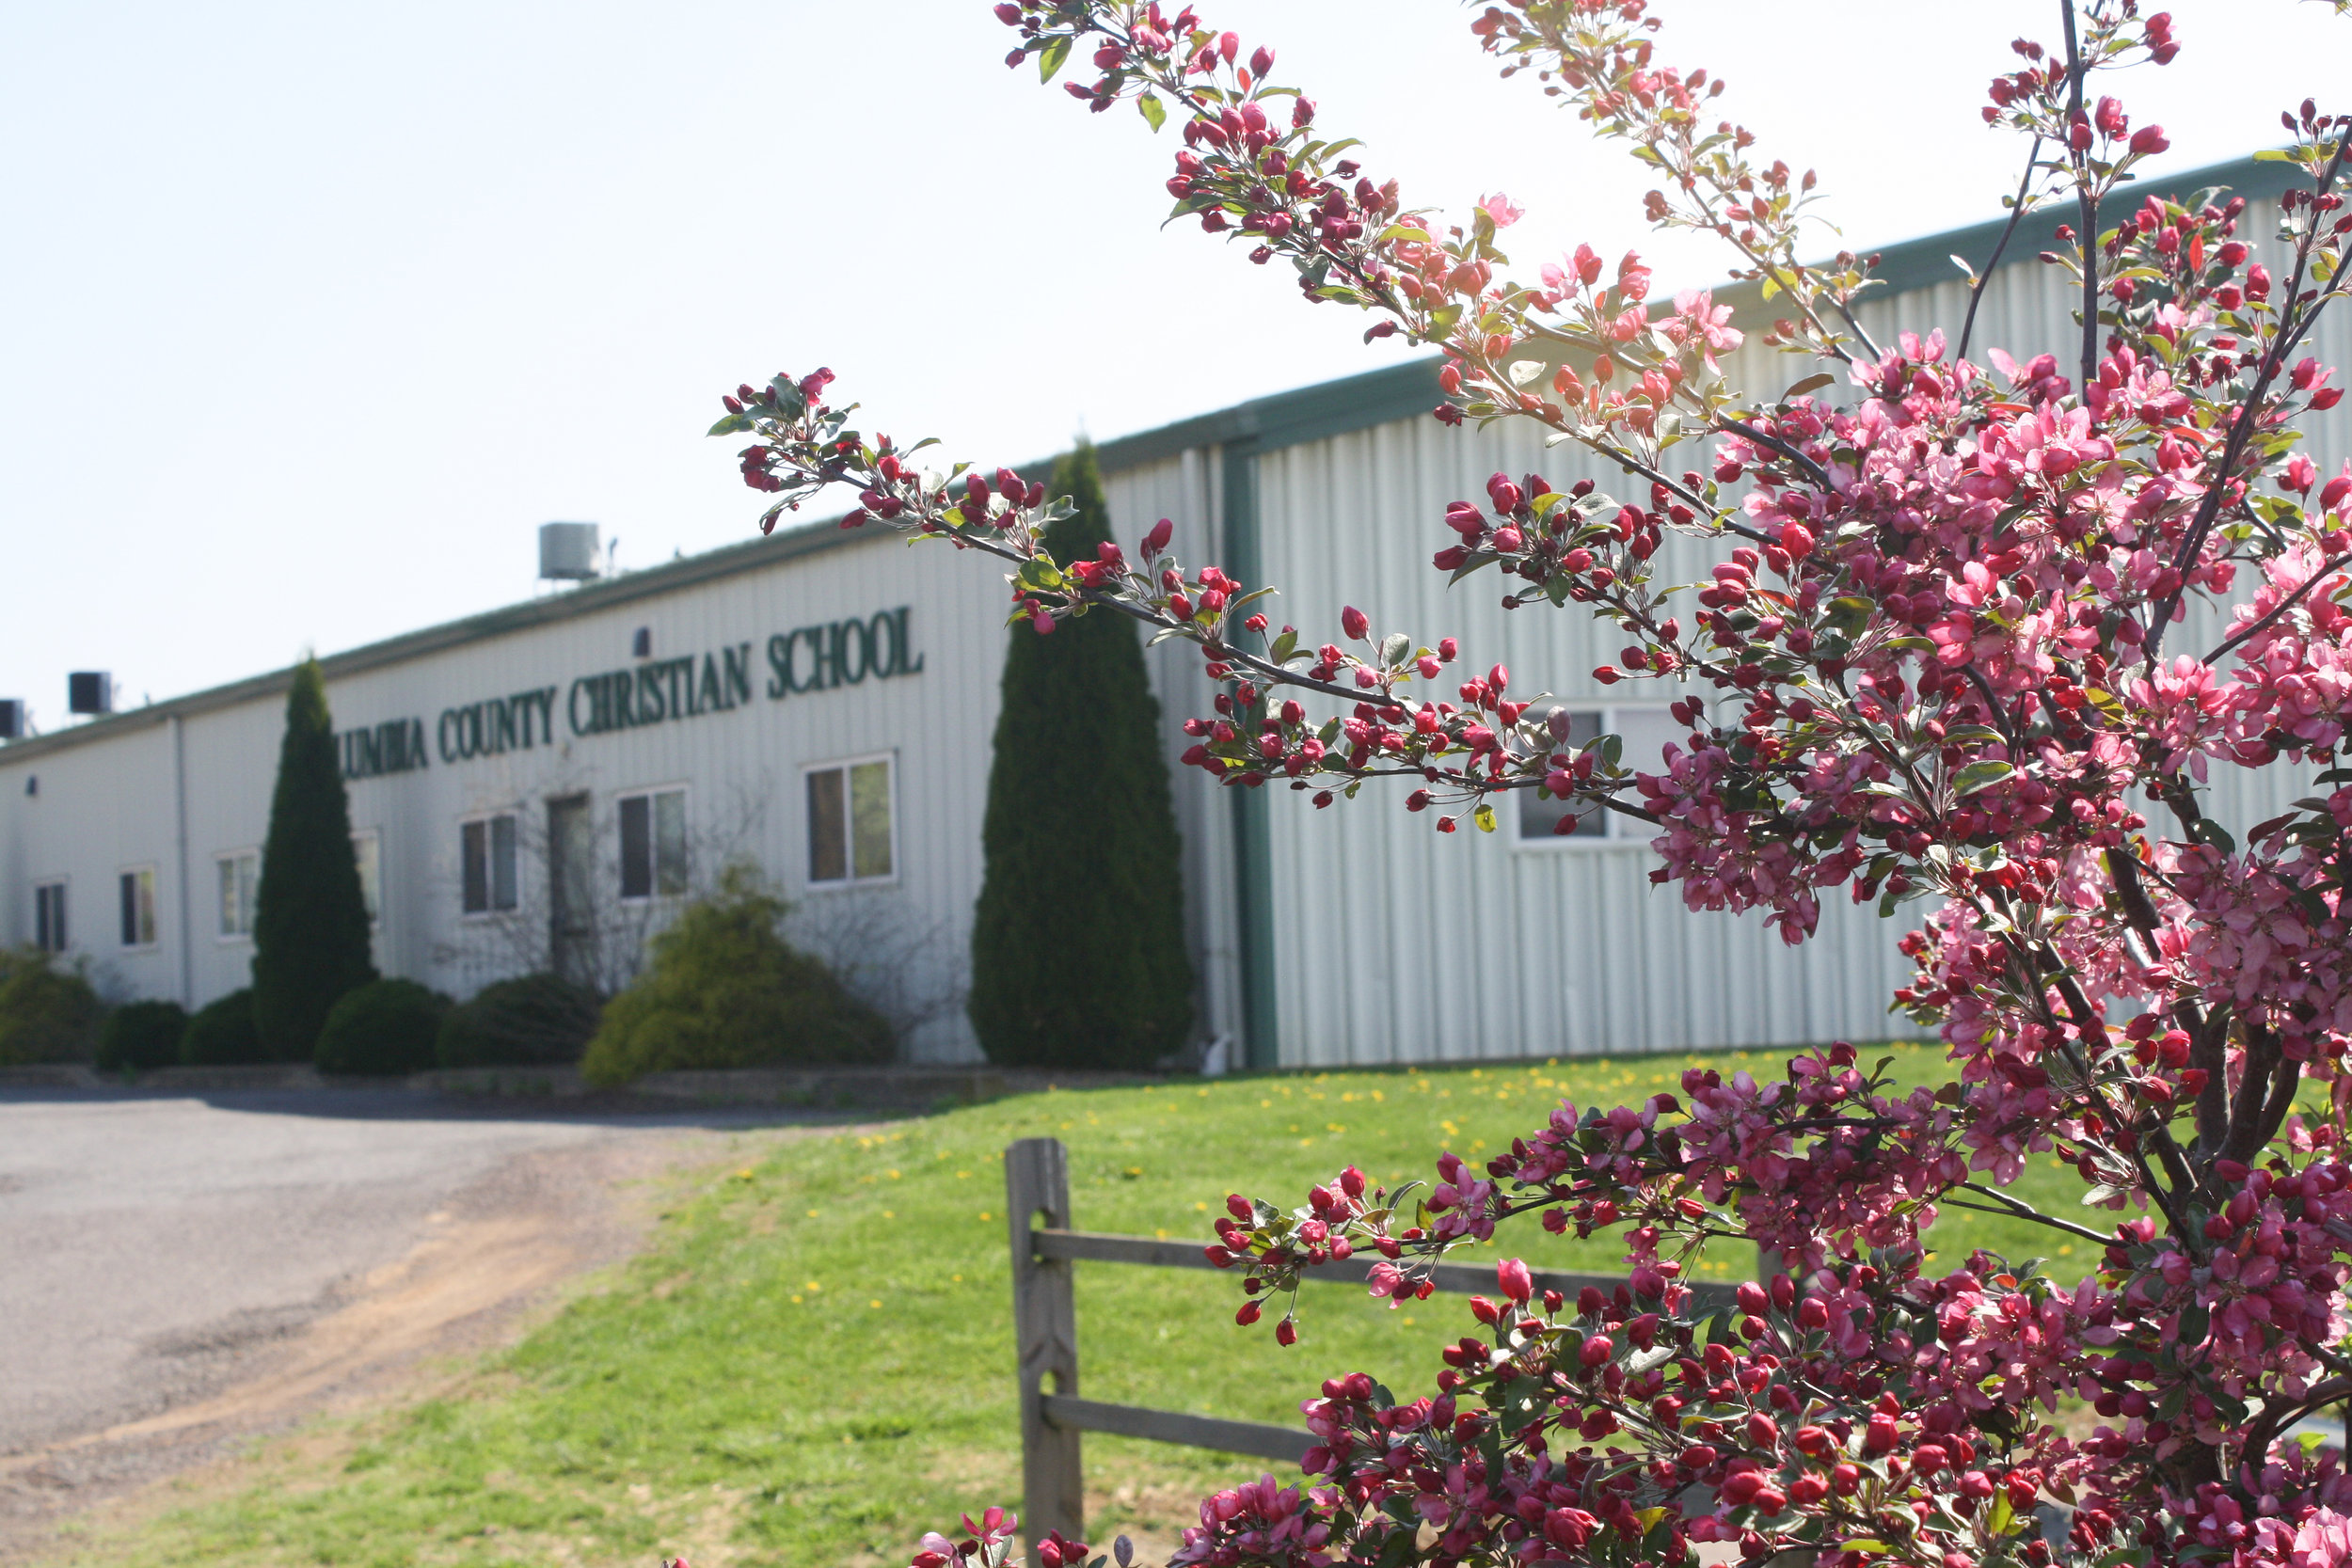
(314, 312)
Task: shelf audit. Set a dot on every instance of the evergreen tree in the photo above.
(310, 919)
(1079, 942)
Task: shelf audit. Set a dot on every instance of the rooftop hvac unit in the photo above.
(90, 691)
(13, 724)
(568, 551)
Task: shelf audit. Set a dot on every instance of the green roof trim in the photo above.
(670, 576)
(1315, 413)
(1926, 262)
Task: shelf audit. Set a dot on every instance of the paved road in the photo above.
(148, 1247)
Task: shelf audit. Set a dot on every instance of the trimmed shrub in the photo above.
(221, 1034)
(383, 1027)
(142, 1035)
(1079, 971)
(48, 1012)
(533, 1020)
(726, 989)
(311, 938)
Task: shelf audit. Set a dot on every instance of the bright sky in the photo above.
(315, 312)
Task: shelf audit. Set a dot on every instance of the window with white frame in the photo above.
(653, 844)
(489, 883)
(240, 876)
(49, 933)
(850, 824)
(137, 889)
(367, 849)
(1644, 732)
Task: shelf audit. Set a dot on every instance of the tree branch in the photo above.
(2088, 201)
(2027, 1212)
(2017, 212)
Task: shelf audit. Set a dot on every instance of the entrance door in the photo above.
(571, 890)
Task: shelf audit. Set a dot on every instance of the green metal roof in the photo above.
(1286, 419)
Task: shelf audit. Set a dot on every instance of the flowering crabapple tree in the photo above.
(1940, 666)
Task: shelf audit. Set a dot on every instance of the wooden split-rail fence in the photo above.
(1045, 1325)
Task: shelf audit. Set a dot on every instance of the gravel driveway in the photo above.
(158, 1255)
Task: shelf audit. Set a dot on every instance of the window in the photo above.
(849, 822)
(368, 849)
(1644, 732)
(49, 916)
(138, 907)
(653, 845)
(240, 882)
(486, 847)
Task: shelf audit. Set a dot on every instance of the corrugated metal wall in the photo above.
(1395, 945)
(1357, 935)
(1184, 489)
(109, 803)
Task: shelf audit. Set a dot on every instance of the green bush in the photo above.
(142, 1035)
(533, 1020)
(726, 989)
(221, 1034)
(383, 1027)
(1089, 970)
(48, 1012)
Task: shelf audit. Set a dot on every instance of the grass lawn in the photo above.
(813, 1362)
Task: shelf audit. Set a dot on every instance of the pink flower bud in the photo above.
(1596, 1350)
(1260, 62)
(1229, 45)
(1248, 1314)
(1353, 622)
(2149, 139)
(1512, 1278)
(1008, 14)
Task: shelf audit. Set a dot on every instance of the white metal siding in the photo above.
(110, 801)
(1391, 942)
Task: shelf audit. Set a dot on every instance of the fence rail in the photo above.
(1045, 1322)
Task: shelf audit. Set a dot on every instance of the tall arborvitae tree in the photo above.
(1078, 944)
(310, 918)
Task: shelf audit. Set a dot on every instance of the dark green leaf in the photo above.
(1980, 775)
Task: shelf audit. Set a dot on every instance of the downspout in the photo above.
(180, 837)
(1253, 863)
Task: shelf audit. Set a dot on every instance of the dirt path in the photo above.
(188, 1380)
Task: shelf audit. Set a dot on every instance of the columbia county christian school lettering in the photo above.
(811, 658)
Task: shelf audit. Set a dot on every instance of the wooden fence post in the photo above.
(1045, 1327)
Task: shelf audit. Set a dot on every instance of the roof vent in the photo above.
(568, 551)
(14, 721)
(90, 691)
